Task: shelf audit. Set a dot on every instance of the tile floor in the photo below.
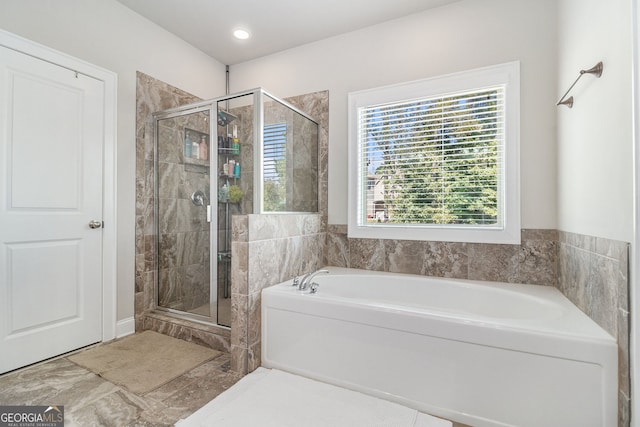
(89, 400)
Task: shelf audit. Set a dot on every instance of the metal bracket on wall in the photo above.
(596, 70)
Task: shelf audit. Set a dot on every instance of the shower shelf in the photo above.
(198, 162)
(197, 167)
(228, 151)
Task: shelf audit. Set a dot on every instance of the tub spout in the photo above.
(306, 280)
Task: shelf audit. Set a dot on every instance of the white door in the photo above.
(51, 157)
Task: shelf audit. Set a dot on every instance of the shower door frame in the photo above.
(212, 214)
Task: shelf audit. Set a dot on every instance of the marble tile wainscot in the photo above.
(591, 271)
(594, 274)
(534, 261)
(267, 249)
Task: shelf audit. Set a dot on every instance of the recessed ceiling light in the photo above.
(241, 34)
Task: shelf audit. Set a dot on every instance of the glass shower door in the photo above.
(182, 214)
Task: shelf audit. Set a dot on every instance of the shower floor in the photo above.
(203, 310)
(221, 311)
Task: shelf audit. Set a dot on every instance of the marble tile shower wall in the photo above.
(592, 272)
(154, 95)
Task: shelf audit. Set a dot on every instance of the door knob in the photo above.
(95, 224)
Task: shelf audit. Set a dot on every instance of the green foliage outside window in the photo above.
(436, 159)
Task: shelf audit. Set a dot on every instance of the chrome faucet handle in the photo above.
(296, 281)
(307, 279)
(302, 284)
(313, 288)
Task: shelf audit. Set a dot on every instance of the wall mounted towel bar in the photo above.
(596, 70)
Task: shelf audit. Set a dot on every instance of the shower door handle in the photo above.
(95, 224)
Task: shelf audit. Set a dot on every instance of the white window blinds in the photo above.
(435, 160)
(275, 167)
(274, 158)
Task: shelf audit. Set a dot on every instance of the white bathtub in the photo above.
(481, 353)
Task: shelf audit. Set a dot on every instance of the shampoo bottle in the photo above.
(223, 193)
(236, 170)
(195, 150)
(204, 151)
(187, 145)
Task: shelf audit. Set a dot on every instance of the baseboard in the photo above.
(125, 327)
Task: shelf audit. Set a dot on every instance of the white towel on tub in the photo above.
(272, 398)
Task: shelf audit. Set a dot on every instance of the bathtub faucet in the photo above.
(306, 280)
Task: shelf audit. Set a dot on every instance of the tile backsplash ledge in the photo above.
(534, 261)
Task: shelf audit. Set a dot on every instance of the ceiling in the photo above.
(275, 25)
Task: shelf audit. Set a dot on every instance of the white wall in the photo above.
(465, 35)
(595, 145)
(107, 34)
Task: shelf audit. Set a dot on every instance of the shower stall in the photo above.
(244, 153)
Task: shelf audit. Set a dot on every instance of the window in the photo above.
(275, 144)
(275, 167)
(437, 159)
